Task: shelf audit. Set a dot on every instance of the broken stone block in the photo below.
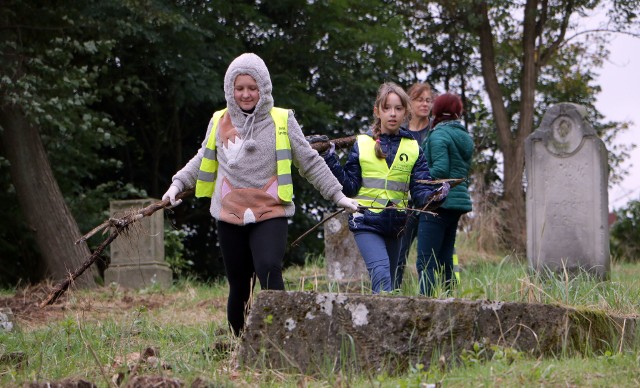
(6, 319)
(344, 263)
(316, 333)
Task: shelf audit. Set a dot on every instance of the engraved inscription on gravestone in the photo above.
(567, 199)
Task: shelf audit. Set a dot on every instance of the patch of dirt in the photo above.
(154, 381)
(25, 305)
(102, 302)
(67, 383)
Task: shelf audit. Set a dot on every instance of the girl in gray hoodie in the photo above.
(244, 165)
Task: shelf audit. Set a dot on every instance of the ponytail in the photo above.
(376, 137)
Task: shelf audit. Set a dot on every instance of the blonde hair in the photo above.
(384, 91)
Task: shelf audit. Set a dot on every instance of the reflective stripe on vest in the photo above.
(208, 167)
(456, 266)
(283, 154)
(381, 183)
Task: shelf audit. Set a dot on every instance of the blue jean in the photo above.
(380, 255)
(408, 235)
(436, 240)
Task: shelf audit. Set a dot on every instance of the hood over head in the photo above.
(253, 65)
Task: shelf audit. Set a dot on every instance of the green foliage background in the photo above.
(122, 91)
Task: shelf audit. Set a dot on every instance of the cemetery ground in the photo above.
(112, 336)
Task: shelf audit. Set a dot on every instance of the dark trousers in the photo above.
(436, 240)
(408, 235)
(249, 251)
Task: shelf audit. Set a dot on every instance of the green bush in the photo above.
(625, 233)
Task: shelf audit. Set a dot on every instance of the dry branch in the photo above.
(342, 142)
(118, 225)
(426, 209)
(453, 182)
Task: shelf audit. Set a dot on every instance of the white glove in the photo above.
(350, 205)
(171, 196)
(329, 151)
(442, 192)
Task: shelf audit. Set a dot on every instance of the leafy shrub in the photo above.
(625, 233)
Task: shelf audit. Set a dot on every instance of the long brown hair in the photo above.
(384, 91)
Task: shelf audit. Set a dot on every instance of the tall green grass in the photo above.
(189, 333)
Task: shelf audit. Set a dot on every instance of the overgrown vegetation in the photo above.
(181, 333)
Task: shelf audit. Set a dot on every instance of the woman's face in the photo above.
(421, 105)
(246, 92)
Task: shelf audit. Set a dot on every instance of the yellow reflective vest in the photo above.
(206, 181)
(381, 183)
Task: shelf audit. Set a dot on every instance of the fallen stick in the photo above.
(341, 142)
(293, 244)
(118, 225)
(453, 182)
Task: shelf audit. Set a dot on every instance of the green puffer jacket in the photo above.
(449, 149)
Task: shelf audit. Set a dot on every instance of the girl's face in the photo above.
(391, 114)
(246, 92)
(421, 105)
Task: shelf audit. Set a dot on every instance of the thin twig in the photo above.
(64, 285)
(94, 231)
(453, 182)
(411, 209)
(293, 244)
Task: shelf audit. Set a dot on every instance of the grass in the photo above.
(100, 334)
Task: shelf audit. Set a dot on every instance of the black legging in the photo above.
(247, 251)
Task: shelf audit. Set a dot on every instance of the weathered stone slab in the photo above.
(319, 332)
(342, 257)
(6, 319)
(567, 197)
(137, 257)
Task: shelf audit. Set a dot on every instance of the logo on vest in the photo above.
(404, 165)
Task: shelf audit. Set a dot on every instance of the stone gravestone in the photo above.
(567, 199)
(137, 255)
(342, 256)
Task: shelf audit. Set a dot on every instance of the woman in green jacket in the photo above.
(448, 150)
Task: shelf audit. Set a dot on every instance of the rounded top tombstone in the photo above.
(563, 129)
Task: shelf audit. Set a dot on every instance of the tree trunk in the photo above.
(511, 146)
(514, 157)
(41, 200)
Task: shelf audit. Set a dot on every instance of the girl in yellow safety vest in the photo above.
(382, 169)
(244, 166)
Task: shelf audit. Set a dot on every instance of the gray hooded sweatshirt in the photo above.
(246, 185)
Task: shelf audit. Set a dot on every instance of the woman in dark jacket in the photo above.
(449, 151)
(383, 167)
